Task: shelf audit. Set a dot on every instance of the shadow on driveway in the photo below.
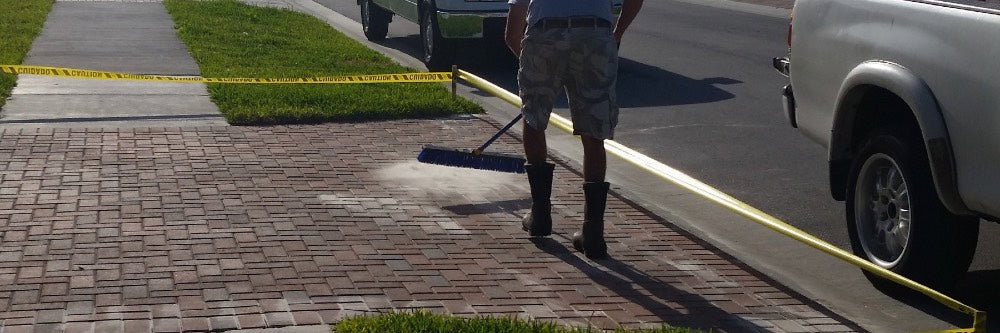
(658, 297)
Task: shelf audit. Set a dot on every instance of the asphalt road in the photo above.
(697, 93)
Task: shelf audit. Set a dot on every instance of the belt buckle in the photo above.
(550, 23)
(582, 22)
(547, 23)
(559, 23)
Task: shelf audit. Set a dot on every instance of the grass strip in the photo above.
(231, 39)
(20, 22)
(422, 321)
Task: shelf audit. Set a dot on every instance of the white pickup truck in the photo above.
(444, 24)
(905, 96)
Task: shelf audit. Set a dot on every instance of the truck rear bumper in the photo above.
(788, 99)
(467, 25)
(787, 96)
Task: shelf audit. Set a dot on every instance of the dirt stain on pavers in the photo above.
(450, 180)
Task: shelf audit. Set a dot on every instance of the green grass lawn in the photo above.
(20, 22)
(426, 322)
(231, 39)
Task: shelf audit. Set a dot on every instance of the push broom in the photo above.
(475, 159)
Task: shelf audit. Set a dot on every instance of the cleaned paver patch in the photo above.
(217, 228)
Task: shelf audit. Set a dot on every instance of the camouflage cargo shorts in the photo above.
(584, 62)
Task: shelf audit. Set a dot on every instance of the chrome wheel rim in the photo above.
(428, 35)
(882, 211)
(364, 14)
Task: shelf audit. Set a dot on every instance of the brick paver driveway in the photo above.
(201, 229)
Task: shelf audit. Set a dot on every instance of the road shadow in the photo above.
(642, 85)
(933, 308)
(639, 84)
(981, 290)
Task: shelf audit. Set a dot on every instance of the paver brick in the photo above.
(109, 326)
(196, 324)
(166, 325)
(19, 329)
(251, 321)
(79, 327)
(307, 318)
(279, 319)
(138, 325)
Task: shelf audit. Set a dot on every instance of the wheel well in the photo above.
(880, 108)
(874, 108)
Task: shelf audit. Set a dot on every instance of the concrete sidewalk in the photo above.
(121, 36)
(119, 225)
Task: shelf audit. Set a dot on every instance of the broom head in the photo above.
(469, 159)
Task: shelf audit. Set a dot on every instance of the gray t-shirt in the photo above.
(539, 9)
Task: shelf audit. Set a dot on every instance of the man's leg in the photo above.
(592, 100)
(539, 80)
(595, 160)
(535, 147)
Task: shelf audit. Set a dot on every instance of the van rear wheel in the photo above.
(439, 53)
(374, 21)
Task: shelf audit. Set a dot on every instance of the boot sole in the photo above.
(535, 235)
(578, 245)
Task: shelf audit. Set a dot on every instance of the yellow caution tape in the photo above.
(961, 330)
(102, 75)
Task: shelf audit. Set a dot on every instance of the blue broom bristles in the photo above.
(467, 159)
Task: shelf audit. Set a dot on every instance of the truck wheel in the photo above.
(374, 20)
(896, 221)
(439, 54)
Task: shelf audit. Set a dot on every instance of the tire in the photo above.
(896, 221)
(439, 53)
(374, 21)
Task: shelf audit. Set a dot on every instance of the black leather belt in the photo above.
(573, 22)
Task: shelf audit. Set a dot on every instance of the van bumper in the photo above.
(481, 24)
(461, 25)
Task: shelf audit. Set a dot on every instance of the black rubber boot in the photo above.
(590, 240)
(538, 223)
